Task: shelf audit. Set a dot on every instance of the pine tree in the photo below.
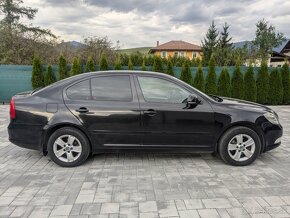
(224, 48)
(210, 82)
(225, 39)
(210, 42)
(237, 82)
(49, 76)
(224, 83)
(186, 72)
(263, 84)
(250, 93)
(118, 65)
(130, 64)
(90, 65)
(62, 68)
(286, 82)
(169, 69)
(143, 68)
(75, 67)
(80, 66)
(198, 81)
(103, 62)
(276, 94)
(158, 65)
(37, 79)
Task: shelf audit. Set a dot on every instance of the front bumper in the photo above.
(272, 136)
(25, 136)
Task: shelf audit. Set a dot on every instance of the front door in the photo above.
(166, 120)
(108, 107)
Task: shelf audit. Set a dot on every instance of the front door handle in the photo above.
(82, 110)
(150, 112)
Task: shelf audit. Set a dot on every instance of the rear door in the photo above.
(108, 107)
(166, 120)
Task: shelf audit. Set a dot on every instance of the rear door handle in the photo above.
(82, 110)
(150, 112)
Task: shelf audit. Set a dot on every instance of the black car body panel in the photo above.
(134, 123)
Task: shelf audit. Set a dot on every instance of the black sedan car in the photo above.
(120, 110)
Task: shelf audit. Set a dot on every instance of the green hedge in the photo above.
(17, 78)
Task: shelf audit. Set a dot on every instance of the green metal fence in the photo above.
(17, 78)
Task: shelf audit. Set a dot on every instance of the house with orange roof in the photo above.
(178, 49)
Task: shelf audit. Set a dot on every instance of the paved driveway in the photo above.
(144, 185)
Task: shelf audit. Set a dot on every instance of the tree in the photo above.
(250, 93)
(224, 49)
(286, 82)
(210, 82)
(169, 68)
(224, 83)
(237, 82)
(186, 73)
(62, 68)
(13, 11)
(263, 84)
(37, 79)
(118, 64)
(266, 39)
(90, 65)
(75, 67)
(18, 41)
(158, 65)
(225, 39)
(103, 62)
(276, 94)
(49, 76)
(198, 81)
(210, 42)
(130, 64)
(143, 67)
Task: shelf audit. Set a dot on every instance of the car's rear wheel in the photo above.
(68, 147)
(239, 146)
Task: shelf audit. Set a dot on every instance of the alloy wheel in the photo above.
(67, 148)
(241, 147)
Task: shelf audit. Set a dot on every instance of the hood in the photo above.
(245, 105)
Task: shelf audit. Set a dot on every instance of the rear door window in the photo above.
(111, 88)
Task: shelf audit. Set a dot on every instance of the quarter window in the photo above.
(111, 88)
(160, 90)
(79, 91)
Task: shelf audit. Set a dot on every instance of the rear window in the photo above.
(79, 91)
(111, 88)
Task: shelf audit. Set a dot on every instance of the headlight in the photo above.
(271, 117)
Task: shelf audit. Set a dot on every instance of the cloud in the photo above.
(142, 23)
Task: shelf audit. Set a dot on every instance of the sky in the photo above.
(140, 23)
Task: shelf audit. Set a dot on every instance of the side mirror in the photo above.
(192, 101)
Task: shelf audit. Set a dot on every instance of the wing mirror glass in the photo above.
(192, 101)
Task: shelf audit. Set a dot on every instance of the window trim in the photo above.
(153, 76)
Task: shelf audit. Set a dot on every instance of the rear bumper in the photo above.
(25, 135)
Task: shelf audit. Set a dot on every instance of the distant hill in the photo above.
(73, 44)
(143, 50)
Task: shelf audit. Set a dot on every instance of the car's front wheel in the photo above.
(68, 147)
(239, 146)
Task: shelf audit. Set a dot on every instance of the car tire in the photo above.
(68, 147)
(239, 146)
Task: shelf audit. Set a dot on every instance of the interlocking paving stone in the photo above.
(145, 185)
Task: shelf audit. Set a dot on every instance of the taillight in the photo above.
(12, 109)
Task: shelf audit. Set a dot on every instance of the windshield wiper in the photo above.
(219, 99)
